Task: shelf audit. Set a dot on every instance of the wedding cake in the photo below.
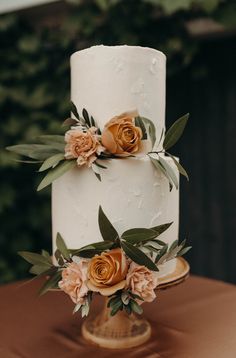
(108, 81)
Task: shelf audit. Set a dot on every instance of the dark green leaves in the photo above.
(35, 259)
(56, 172)
(107, 230)
(51, 283)
(74, 110)
(146, 126)
(179, 166)
(138, 256)
(135, 236)
(175, 132)
(161, 228)
(124, 300)
(61, 246)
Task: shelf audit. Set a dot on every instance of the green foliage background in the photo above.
(34, 92)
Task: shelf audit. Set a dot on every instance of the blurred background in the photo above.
(199, 39)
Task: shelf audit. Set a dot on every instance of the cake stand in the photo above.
(123, 330)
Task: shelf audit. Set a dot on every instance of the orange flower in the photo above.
(120, 135)
(73, 282)
(142, 282)
(107, 272)
(82, 145)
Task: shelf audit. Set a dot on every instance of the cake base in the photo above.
(123, 330)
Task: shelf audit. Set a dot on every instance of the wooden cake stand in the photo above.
(123, 330)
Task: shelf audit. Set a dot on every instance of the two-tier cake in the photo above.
(108, 81)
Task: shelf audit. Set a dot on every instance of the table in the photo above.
(196, 319)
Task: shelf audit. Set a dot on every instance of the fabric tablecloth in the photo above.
(196, 319)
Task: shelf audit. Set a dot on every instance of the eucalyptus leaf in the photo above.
(150, 129)
(52, 282)
(116, 307)
(52, 138)
(74, 110)
(55, 173)
(173, 245)
(160, 168)
(179, 166)
(51, 161)
(162, 252)
(139, 123)
(62, 247)
(107, 230)
(96, 171)
(70, 122)
(175, 131)
(184, 251)
(38, 269)
(137, 235)
(113, 301)
(77, 308)
(135, 307)
(160, 229)
(86, 117)
(100, 165)
(34, 151)
(92, 120)
(170, 172)
(34, 259)
(138, 256)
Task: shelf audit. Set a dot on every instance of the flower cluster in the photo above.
(108, 273)
(120, 137)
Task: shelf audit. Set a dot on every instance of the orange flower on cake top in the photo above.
(84, 146)
(107, 272)
(121, 136)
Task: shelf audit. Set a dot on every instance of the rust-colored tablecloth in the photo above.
(196, 319)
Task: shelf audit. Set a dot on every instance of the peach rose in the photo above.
(73, 282)
(121, 136)
(142, 282)
(82, 145)
(107, 272)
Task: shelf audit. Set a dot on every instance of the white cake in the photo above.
(108, 81)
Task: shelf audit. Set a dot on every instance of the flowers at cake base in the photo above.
(74, 278)
(107, 272)
(120, 135)
(142, 282)
(84, 146)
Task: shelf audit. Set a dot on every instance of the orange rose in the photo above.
(107, 272)
(121, 136)
(82, 145)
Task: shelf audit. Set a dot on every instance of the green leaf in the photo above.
(175, 131)
(137, 235)
(170, 172)
(135, 307)
(62, 246)
(96, 171)
(150, 129)
(116, 307)
(100, 165)
(69, 122)
(179, 166)
(52, 282)
(38, 269)
(59, 257)
(34, 151)
(35, 259)
(86, 117)
(77, 308)
(162, 252)
(160, 229)
(139, 123)
(51, 139)
(138, 256)
(160, 139)
(160, 168)
(55, 173)
(107, 230)
(184, 251)
(51, 161)
(93, 123)
(74, 110)
(173, 245)
(113, 301)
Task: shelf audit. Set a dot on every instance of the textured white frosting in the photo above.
(108, 81)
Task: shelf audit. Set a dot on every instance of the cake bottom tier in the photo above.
(132, 194)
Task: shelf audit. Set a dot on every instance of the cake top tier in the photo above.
(110, 80)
